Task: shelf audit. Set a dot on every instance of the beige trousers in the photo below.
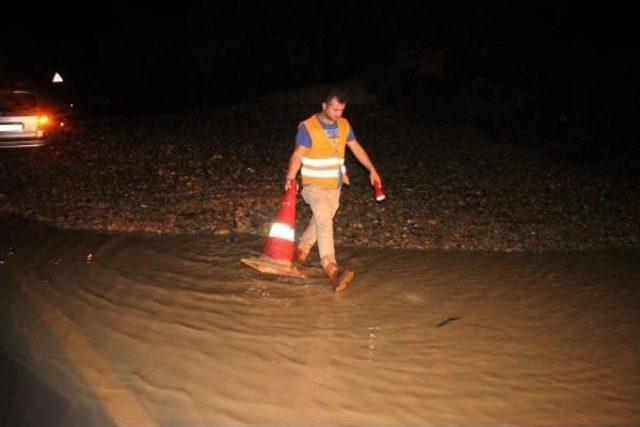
(324, 205)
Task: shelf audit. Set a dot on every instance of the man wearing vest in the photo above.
(319, 156)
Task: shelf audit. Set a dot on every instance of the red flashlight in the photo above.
(379, 193)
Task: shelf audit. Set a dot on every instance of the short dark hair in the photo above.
(336, 93)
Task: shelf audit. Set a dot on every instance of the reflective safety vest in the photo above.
(323, 162)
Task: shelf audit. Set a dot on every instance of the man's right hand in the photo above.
(289, 182)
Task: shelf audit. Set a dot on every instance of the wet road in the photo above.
(137, 330)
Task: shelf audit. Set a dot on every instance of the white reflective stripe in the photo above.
(318, 163)
(344, 169)
(282, 231)
(319, 173)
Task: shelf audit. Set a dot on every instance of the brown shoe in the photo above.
(340, 280)
(302, 253)
(345, 279)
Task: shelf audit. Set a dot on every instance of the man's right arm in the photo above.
(295, 162)
(303, 141)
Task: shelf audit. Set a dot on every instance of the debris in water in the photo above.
(447, 320)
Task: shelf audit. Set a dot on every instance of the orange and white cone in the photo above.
(279, 250)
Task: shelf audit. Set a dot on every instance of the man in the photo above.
(319, 156)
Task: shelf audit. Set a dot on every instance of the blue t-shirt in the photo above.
(303, 138)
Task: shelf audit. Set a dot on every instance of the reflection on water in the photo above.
(175, 331)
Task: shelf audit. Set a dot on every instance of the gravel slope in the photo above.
(448, 186)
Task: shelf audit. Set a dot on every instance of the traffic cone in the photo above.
(279, 250)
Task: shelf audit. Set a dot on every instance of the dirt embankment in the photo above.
(220, 171)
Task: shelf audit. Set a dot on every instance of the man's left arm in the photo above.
(363, 158)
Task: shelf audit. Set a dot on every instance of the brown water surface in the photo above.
(134, 330)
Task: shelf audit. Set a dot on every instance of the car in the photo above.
(28, 119)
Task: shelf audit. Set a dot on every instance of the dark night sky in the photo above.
(196, 52)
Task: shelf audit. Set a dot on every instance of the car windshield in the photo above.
(11, 102)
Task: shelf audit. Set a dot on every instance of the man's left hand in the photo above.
(374, 177)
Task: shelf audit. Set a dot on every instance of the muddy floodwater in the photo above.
(135, 330)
